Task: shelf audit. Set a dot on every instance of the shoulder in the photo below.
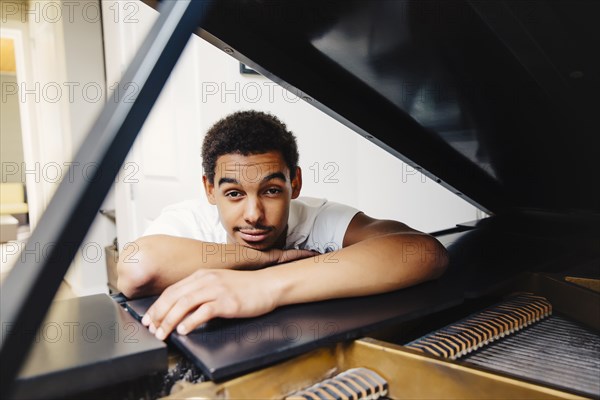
(309, 211)
(315, 222)
(195, 219)
(193, 206)
(307, 205)
(197, 209)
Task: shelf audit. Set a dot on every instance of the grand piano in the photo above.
(495, 100)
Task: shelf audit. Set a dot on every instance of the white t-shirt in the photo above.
(313, 224)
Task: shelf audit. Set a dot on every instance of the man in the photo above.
(211, 262)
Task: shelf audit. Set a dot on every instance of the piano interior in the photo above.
(531, 338)
(516, 88)
(530, 346)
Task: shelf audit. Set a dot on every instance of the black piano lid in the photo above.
(495, 100)
(85, 343)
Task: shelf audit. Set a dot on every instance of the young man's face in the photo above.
(252, 194)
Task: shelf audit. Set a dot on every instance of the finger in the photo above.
(203, 314)
(157, 311)
(185, 305)
(307, 253)
(165, 302)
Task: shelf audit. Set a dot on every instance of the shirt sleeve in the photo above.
(330, 226)
(187, 219)
(172, 222)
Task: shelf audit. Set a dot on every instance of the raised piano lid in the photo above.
(495, 100)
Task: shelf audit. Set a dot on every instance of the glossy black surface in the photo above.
(498, 249)
(495, 99)
(87, 343)
(225, 348)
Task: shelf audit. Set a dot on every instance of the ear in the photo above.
(209, 188)
(297, 183)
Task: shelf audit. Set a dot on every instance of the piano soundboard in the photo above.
(521, 337)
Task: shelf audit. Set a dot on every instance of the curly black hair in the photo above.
(245, 133)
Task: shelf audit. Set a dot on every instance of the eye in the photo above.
(273, 191)
(233, 194)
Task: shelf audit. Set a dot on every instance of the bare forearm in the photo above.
(152, 263)
(373, 266)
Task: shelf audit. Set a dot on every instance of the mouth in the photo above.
(254, 235)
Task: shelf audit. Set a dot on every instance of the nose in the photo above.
(253, 212)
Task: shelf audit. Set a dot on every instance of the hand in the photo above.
(284, 256)
(207, 294)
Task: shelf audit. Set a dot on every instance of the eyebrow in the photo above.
(227, 180)
(275, 175)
